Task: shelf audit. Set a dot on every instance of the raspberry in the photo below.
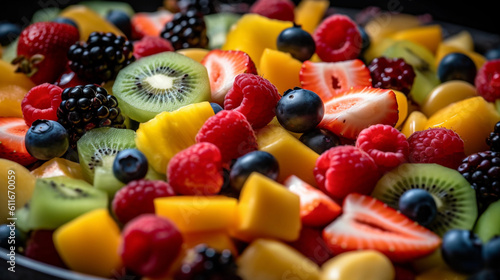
(436, 145)
(345, 169)
(386, 145)
(487, 80)
(337, 38)
(150, 45)
(230, 131)
(274, 9)
(392, 73)
(254, 97)
(40, 247)
(150, 244)
(196, 170)
(41, 102)
(137, 197)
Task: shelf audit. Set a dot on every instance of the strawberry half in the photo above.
(355, 109)
(42, 49)
(327, 78)
(12, 132)
(367, 223)
(316, 208)
(223, 67)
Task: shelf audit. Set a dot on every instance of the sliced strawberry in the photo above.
(223, 67)
(316, 208)
(327, 78)
(149, 23)
(12, 132)
(355, 109)
(367, 223)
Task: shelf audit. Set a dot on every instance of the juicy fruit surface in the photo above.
(12, 143)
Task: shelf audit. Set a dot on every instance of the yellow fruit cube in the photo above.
(385, 24)
(429, 36)
(309, 13)
(89, 243)
(358, 265)
(197, 213)
(219, 240)
(195, 53)
(281, 69)
(294, 158)
(266, 259)
(462, 39)
(266, 209)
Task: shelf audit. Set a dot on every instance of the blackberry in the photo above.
(482, 170)
(186, 30)
(86, 107)
(493, 139)
(392, 73)
(205, 263)
(206, 7)
(101, 57)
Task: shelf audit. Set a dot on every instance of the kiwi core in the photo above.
(160, 82)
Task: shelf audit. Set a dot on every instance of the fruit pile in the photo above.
(267, 140)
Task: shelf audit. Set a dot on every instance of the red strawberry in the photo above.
(12, 132)
(367, 223)
(327, 78)
(355, 109)
(223, 67)
(42, 48)
(316, 208)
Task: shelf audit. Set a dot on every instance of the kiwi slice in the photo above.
(57, 200)
(455, 198)
(158, 83)
(99, 146)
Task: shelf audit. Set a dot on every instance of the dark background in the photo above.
(479, 14)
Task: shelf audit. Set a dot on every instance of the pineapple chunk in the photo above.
(281, 69)
(358, 265)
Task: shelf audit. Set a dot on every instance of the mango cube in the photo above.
(89, 243)
(281, 69)
(266, 209)
(294, 158)
(197, 213)
(267, 259)
(58, 167)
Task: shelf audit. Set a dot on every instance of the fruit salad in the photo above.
(245, 140)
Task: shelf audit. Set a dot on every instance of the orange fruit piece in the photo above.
(281, 69)
(429, 36)
(149, 24)
(10, 100)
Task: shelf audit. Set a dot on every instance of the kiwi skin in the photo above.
(161, 82)
(455, 198)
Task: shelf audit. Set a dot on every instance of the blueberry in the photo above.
(418, 205)
(46, 139)
(491, 253)
(296, 41)
(10, 236)
(493, 53)
(365, 39)
(129, 165)
(299, 110)
(9, 32)
(255, 161)
(319, 140)
(462, 251)
(66, 21)
(216, 107)
(121, 20)
(486, 274)
(457, 66)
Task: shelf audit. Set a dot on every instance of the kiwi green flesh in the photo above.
(99, 146)
(488, 224)
(158, 83)
(58, 200)
(455, 197)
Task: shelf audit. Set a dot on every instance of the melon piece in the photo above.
(358, 265)
(281, 69)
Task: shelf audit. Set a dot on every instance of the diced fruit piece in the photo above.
(150, 244)
(223, 67)
(444, 49)
(355, 109)
(197, 213)
(429, 36)
(487, 225)
(309, 13)
(218, 239)
(416, 121)
(12, 143)
(268, 259)
(170, 132)
(446, 94)
(149, 23)
(462, 117)
(316, 208)
(254, 33)
(380, 228)
(358, 265)
(58, 167)
(89, 243)
(299, 110)
(88, 21)
(281, 69)
(402, 107)
(287, 150)
(463, 39)
(274, 9)
(11, 97)
(17, 184)
(328, 78)
(385, 24)
(58, 200)
(196, 54)
(266, 209)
